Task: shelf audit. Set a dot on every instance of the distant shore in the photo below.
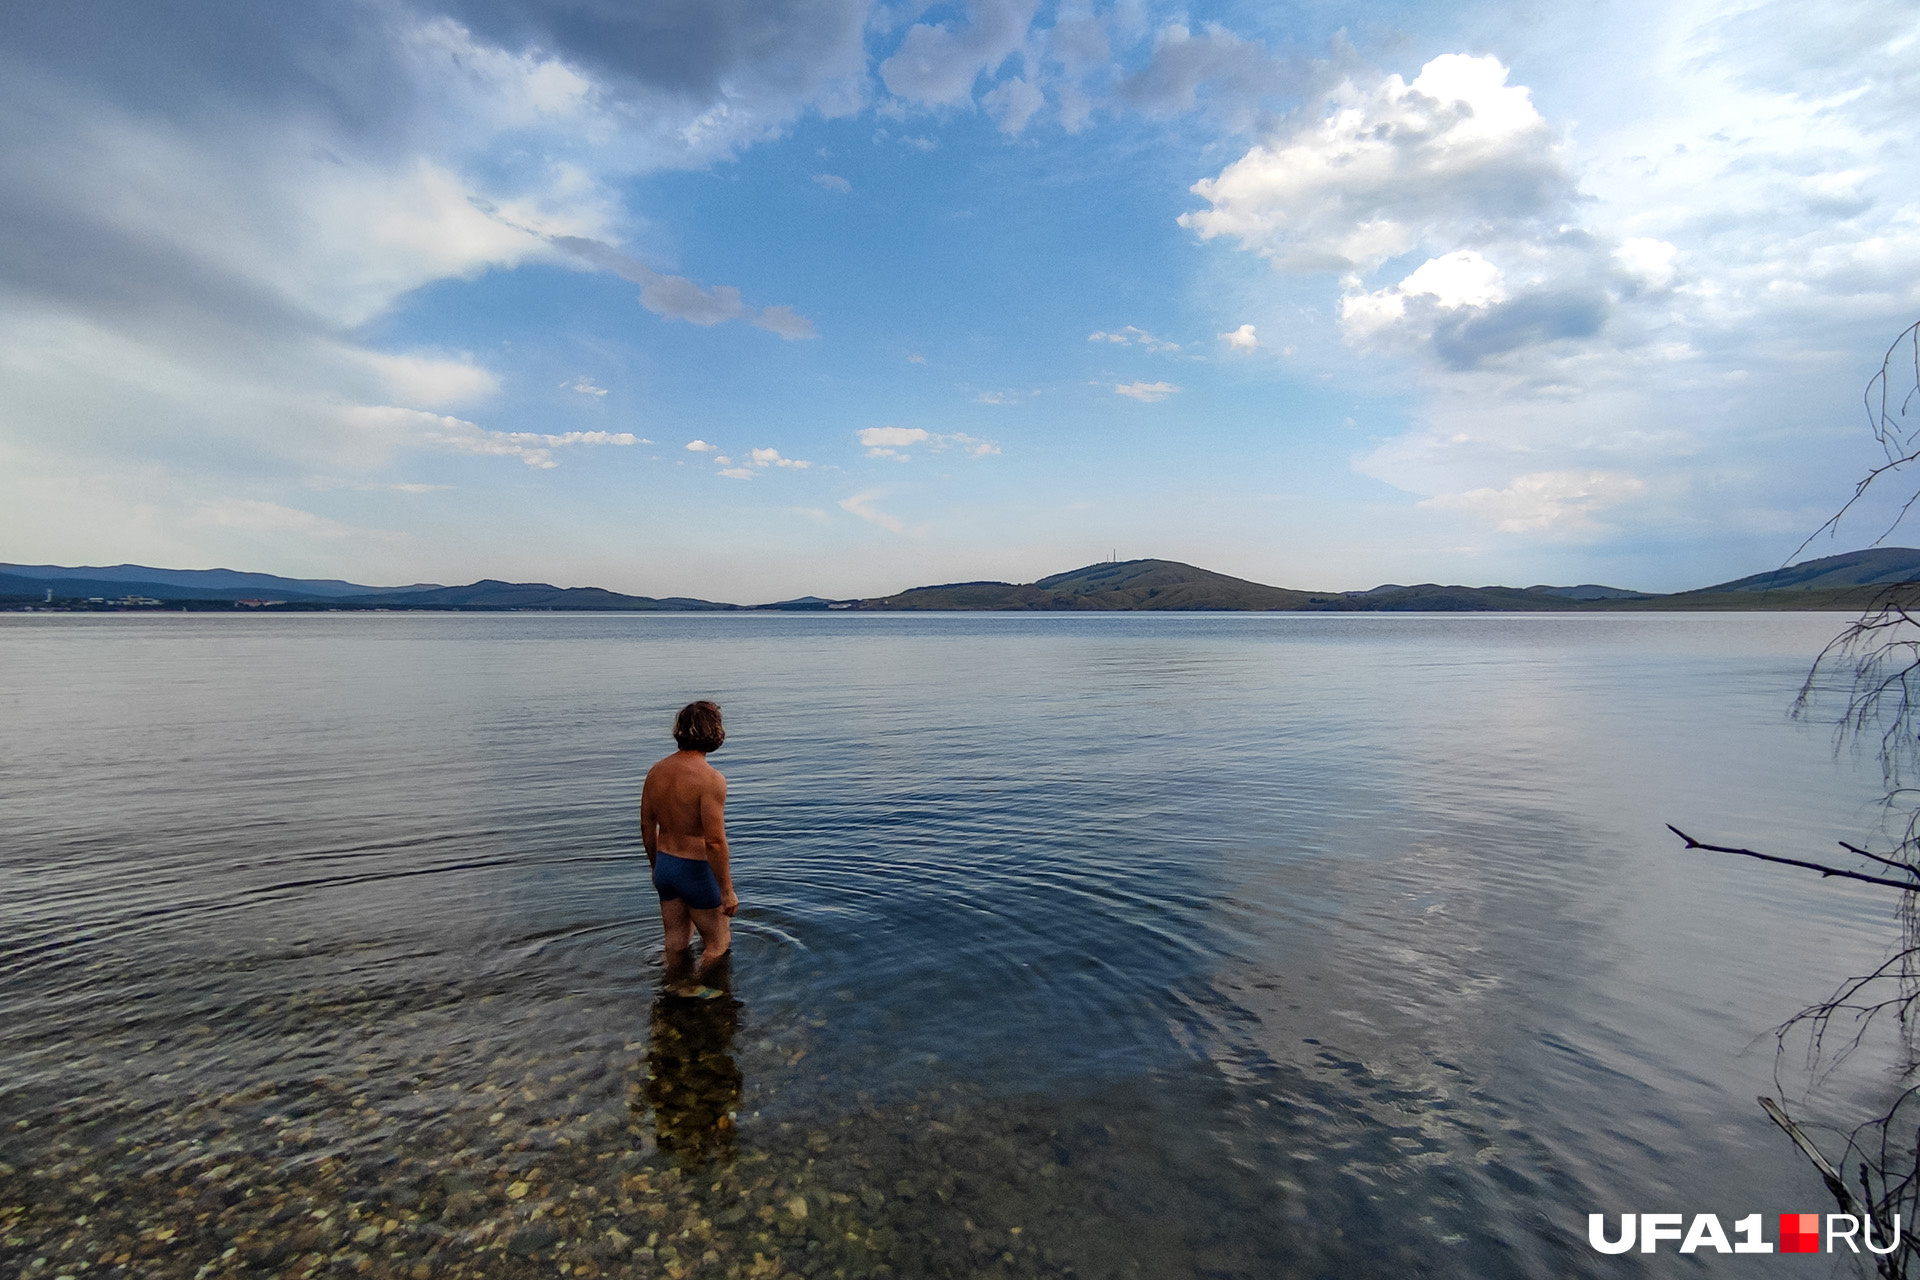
(1847, 582)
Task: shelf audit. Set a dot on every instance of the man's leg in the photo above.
(679, 929)
(716, 932)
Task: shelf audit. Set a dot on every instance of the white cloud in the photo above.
(431, 380)
(1146, 392)
(861, 504)
(1012, 103)
(736, 473)
(1556, 503)
(585, 386)
(1383, 170)
(1132, 336)
(895, 437)
(1242, 339)
(701, 446)
(1647, 262)
(914, 357)
(833, 182)
(785, 322)
(937, 63)
(890, 442)
(256, 516)
(394, 427)
(1460, 279)
(772, 458)
(580, 437)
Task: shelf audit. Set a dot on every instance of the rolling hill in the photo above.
(217, 586)
(491, 593)
(1127, 584)
(1171, 585)
(1873, 567)
(199, 584)
(1850, 580)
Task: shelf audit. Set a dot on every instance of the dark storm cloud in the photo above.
(347, 61)
(691, 48)
(193, 61)
(62, 257)
(132, 127)
(1465, 337)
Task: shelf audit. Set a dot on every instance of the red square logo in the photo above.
(1799, 1233)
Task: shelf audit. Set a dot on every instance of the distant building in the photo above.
(256, 604)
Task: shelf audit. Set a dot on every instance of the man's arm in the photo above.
(713, 825)
(649, 826)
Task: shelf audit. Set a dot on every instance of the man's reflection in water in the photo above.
(693, 1084)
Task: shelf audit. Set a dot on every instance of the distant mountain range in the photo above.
(1845, 581)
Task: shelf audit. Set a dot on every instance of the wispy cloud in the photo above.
(679, 297)
(432, 381)
(892, 442)
(786, 322)
(861, 504)
(772, 458)
(373, 486)
(1146, 392)
(256, 516)
(701, 446)
(1557, 503)
(585, 386)
(736, 473)
(1133, 336)
(395, 425)
(833, 182)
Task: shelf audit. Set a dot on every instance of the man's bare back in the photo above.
(683, 826)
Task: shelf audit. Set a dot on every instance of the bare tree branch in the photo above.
(1821, 867)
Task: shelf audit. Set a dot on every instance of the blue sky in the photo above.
(754, 299)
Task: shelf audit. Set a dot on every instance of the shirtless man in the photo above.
(683, 825)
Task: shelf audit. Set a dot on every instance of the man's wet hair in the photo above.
(698, 727)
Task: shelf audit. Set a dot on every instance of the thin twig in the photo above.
(1821, 867)
(1895, 863)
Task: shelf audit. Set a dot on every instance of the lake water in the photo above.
(1119, 945)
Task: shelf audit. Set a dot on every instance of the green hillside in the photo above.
(490, 593)
(1127, 584)
(1876, 566)
(1851, 581)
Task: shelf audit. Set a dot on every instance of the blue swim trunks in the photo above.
(688, 879)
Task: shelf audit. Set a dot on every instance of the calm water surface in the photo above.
(1161, 946)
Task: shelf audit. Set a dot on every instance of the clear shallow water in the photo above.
(1184, 945)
